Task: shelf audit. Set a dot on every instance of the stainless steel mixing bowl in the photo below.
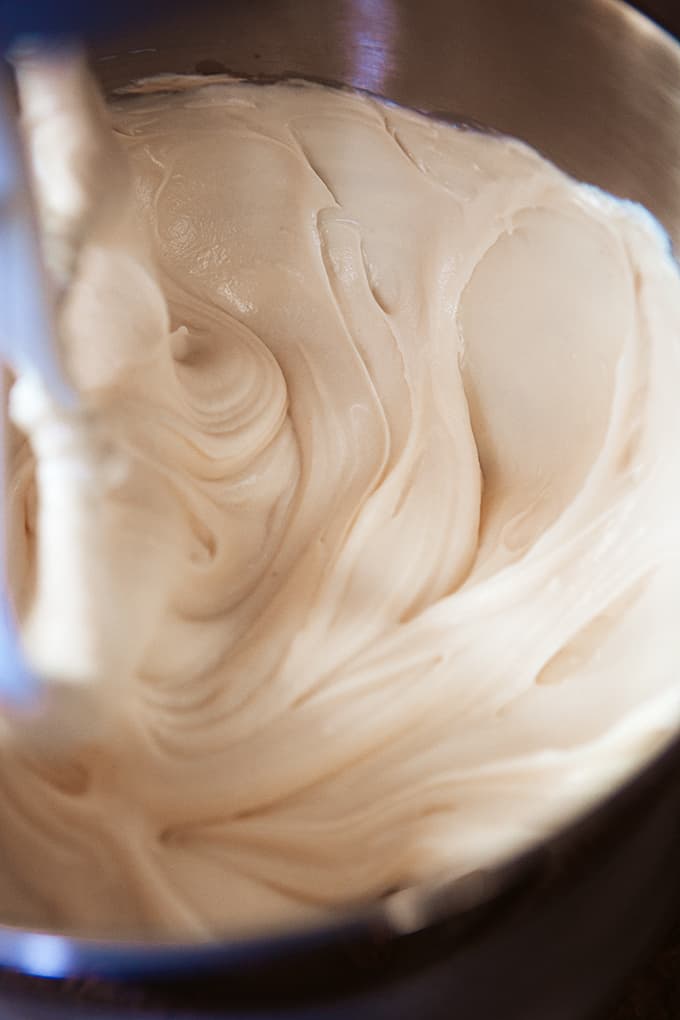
(596, 87)
(592, 84)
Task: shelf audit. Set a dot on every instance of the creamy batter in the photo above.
(361, 563)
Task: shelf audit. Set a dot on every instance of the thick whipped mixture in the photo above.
(364, 553)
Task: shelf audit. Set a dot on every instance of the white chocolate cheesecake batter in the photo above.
(367, 548)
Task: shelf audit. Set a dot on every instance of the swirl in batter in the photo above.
(364, 552)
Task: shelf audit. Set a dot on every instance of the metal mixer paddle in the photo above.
(28, 344)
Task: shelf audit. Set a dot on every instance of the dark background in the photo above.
(666, 12)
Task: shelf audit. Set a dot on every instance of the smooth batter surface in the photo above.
(366, 554)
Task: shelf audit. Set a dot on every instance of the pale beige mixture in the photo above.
(365, 554)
